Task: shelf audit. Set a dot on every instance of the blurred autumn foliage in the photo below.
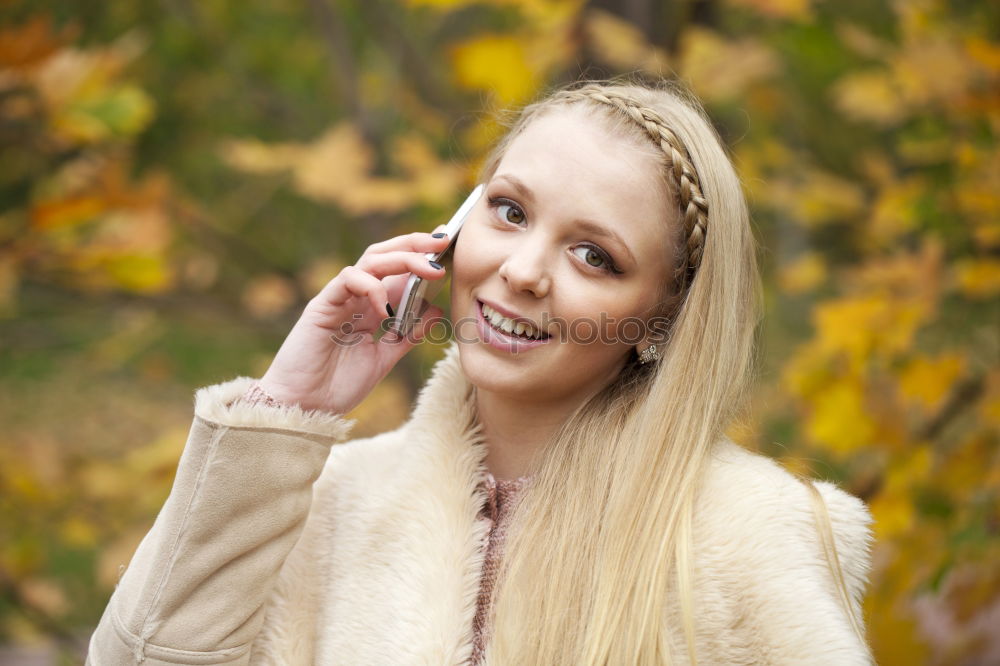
(178, 178)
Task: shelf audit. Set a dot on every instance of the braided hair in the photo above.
(684, 177)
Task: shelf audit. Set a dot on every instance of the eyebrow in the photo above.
(589, 226)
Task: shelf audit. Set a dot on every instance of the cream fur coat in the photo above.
(283, 544)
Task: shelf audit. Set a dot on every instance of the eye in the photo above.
(507, 210)
(596, 257)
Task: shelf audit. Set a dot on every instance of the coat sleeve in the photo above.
(195, 590)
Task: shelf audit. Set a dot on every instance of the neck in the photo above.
(516, 430)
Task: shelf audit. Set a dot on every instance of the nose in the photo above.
(525, 269)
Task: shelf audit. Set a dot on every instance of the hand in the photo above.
(330, 360)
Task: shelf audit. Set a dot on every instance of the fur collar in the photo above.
(389, 564)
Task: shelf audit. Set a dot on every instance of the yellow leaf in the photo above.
(803, 274)
(978, 278)
(141, 273)
(67, 212)
(977, 191)
(85, 100)
(861, 41)
(443, 4)
(253, 156)
(337, 168)
(895, 211)
(796, 10)
(719, 69)
(862, 326)
(932, 68)
(986, 53)
(926, 381)
(893, 515)
(497, 63)
(839, 420)
(870, 96)
(378, 194)
(893, 508)
(120, 111)
(821, 197)
(78, 532)
(905, 276)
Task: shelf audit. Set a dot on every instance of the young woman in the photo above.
(563, 492)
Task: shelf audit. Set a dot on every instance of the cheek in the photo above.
(606, 309)
(473, 259)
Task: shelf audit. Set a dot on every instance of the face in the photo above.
(570, 238)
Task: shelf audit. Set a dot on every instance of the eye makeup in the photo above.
(609, 266)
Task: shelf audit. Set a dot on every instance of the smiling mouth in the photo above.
(509, 327)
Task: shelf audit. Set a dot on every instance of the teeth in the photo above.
(508, 325)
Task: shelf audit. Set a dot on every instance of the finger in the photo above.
(397, 263)
(353, 282)
(417, 241)
(394, 286)
(397, 346)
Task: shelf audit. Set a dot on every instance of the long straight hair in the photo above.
(597, 564)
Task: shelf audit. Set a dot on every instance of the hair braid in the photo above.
(693, 203)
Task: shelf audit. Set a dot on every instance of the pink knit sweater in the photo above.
(501, 497)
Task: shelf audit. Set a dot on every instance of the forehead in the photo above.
(571, 160)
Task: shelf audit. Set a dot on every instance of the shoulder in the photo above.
(753, 509)
(741, 484)
(367, 462)
(772, 544)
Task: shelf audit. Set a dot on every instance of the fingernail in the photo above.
(388, 308)
(439, 234)
(435, 265)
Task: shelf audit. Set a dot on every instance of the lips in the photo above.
(498, 338)
(507, 313)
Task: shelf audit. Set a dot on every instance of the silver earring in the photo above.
(649, 354)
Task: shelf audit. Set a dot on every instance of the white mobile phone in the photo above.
(418, 293)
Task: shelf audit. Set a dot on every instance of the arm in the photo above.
(195, 590)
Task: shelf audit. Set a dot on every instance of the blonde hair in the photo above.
(598, 554)
(600, 541)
